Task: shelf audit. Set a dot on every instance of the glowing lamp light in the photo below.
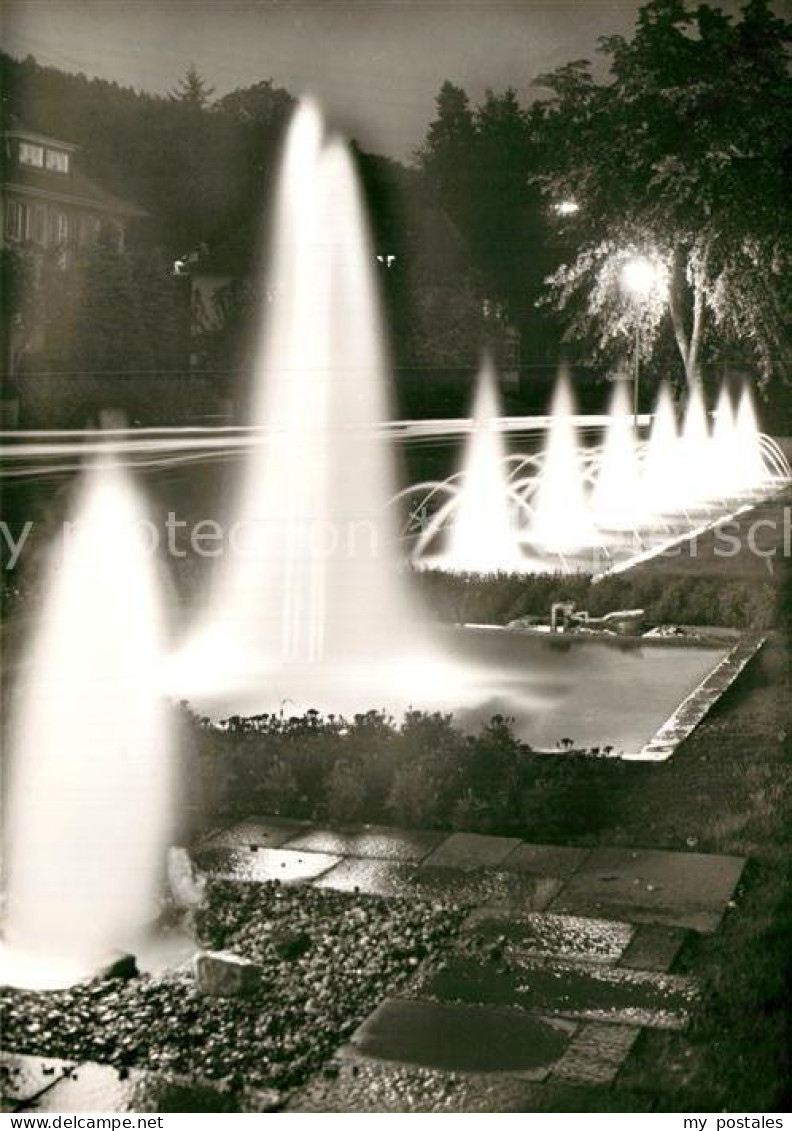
(640, 276)
(566, 208)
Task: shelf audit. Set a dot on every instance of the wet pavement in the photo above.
(589, 991)
(371, 842)
(564, 957)
(674, 889)
(45, 1084)
(683, 889)
(550, 936)
(464, 1039)
(253, 865)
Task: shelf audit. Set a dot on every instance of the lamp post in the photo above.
(639, 277)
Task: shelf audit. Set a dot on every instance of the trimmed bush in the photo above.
(422, 772)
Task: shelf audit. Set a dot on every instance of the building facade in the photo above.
(48, 202)
(48, 206)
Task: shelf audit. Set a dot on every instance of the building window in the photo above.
(58, 227)
(31, 154)
(38, 231)
(57, 160)
(16, 220)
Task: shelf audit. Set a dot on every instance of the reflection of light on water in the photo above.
(90, 793)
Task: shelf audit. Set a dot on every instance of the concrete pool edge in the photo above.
(692, 710)
(690, 536)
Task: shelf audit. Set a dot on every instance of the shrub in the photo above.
(414, 798)
(276, 789)
(346, 793)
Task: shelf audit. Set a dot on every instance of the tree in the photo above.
(192, 90)
(447, 156)
(682, 155)
(261, 104)
(478, 162)
(105, 330)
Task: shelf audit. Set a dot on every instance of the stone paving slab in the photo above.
(596, 1053)
(264, 864)
(360, 1085)
(565, 989)
(546, 860)
(548, 936)
(683, 889)
(370, 841)
(466, 1038)
(472, 850)
(687, 890)
(467, 887)
(654, 947)
(262, 832)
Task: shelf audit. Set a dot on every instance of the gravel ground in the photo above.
(327, 958)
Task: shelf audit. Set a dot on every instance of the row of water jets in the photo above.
(571, 502)
(91, 799)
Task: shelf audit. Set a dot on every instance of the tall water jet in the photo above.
(561, 522)
(483, 536)
(616, 499)
(750, 467)
(661, 485)
(316, 583)
(694, 464)
(724, 468)
(89, 802)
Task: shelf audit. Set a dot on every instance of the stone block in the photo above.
(220, 973)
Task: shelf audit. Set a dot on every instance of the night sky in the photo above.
(376, 64)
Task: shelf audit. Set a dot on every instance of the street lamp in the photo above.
(640, 277)
(566, 208)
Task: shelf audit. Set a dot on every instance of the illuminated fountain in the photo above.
(310, 608)
(661, 488)
(616, 501)
(693, 464)
(89, 798)
(483, 537)
(724, 468)
(751, 469)
(561, 521)
(599, 508)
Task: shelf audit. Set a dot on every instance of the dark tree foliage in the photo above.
(478, 161)
(192, 89)
(103, 330)
(196, 166)
(433, 298)
(683, 154)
